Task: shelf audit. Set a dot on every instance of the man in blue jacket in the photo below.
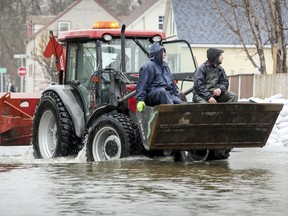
(211, 82)
(156, 82)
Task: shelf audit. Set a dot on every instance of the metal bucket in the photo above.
(207, 126)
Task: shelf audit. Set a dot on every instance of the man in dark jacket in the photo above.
(156, 83)
(211, 82)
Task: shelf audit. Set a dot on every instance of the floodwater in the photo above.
(250, 182)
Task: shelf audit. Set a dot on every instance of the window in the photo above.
(85, 58)
(63, 26)
(160, 22)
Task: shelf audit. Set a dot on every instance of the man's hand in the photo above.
(140, 106)
(212, 100)
(217, 92)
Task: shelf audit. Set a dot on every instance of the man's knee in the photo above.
(164, 97)
(161, 91)
(198, 99)
(233, 97)
(159, 96)
(227, 97)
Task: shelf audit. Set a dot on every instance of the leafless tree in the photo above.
(13, 28)
(262, 21)
(48, 65)
(276, 36)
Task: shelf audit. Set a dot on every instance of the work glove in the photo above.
(140, 106)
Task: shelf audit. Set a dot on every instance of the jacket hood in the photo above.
(155, 50)
(213, 54)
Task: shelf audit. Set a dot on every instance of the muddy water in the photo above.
(250, 182)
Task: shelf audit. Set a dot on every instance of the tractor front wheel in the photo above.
(109, 138)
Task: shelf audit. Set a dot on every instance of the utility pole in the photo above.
(2, 72)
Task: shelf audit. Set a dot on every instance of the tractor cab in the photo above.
(95, 55)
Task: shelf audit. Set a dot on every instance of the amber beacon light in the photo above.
(106, 25)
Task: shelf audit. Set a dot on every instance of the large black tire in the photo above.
(219, 154)
(137, 146)
(110, 137)
(53, 129)
(202, 155)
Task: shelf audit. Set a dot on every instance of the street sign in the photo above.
(21, 71)
(19, 56)
(3, 70)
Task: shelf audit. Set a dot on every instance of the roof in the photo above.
(139, 11)
(72, 6)
(199, 22)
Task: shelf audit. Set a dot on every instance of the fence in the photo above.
(260, 86)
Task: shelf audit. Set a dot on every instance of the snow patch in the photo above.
(279, 135)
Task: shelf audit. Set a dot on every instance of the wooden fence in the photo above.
(260, 86)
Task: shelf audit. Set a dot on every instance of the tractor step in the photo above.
(207, 126)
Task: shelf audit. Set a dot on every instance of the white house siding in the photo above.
(235, 59)
(149, 20)
(83, 15)
(29, 68)
(169, 24)
(34, 80)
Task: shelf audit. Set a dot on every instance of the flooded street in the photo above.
(250, 182)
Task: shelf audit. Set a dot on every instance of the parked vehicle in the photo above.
(16, 114)
(94, 107)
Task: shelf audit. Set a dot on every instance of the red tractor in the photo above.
(94, 107)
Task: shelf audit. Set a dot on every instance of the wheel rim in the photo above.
(106, 145)
(47, 135)
(194, 155)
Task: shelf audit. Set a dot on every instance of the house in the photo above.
(81, 14)
(149, 15)
(200, 24)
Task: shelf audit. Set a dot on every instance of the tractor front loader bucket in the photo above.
(207, 126)
(16, 113)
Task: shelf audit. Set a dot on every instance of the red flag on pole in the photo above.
(55, 48)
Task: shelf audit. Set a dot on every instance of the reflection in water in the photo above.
(8, 167)
(142, 186)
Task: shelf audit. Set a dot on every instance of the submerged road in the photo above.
(250, 182)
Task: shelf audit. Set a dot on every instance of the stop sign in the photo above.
(21, 71)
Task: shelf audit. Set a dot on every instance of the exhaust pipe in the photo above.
(123, 60)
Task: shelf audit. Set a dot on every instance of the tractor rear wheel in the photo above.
(53, 129)
(109, 138)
